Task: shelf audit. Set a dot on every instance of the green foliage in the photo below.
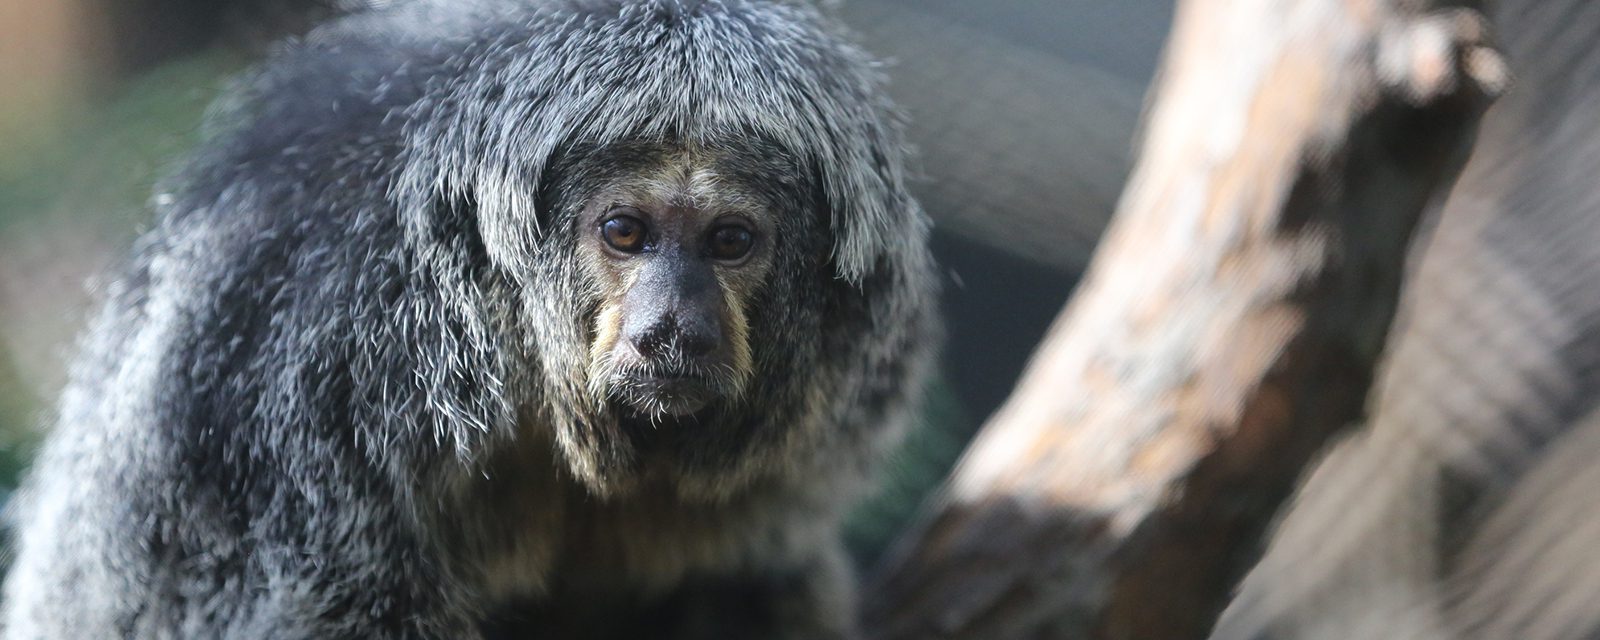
(97, 164)
(913, 472)
(15, 411)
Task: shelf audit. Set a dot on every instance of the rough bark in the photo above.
(1229, 323)
(1467, 508)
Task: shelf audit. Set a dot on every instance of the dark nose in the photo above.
(669, 336)
(673, 309)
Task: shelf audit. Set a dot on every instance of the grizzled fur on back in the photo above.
(339, 389)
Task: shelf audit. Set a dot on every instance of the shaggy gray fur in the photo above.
(339, 389)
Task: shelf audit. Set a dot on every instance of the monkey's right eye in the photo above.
(624, 233)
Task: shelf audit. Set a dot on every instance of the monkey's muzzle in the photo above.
(665, 394)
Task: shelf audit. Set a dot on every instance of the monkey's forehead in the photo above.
(687, 182)
(747, 177)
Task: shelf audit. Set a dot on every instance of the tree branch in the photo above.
(1229, 324)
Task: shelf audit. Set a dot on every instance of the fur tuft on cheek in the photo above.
(740, 360)
(602, 362)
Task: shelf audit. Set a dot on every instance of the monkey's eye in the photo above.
(624, 233)
(731, 242)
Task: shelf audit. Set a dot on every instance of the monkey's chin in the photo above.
(667, 397)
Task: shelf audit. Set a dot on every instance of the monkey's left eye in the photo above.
(731, 242)
(624, 233)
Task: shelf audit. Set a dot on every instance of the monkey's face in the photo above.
(678, 308)
(678, 248)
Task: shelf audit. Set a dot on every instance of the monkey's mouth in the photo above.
(664, 394)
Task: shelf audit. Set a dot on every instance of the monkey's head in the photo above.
(695, 231)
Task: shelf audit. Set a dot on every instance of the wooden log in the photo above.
(1229, 323)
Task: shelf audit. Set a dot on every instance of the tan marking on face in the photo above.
(607, 337)
(738, 337)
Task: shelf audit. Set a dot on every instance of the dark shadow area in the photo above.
(996, 308)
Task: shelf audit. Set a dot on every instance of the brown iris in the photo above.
(731, 243)
(624, 233)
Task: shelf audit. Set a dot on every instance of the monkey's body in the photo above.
(373, 375)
